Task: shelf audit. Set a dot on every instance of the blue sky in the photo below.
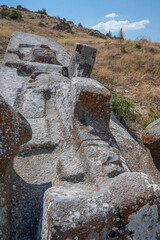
(139, 18)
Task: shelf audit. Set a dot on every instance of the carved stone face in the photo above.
(93, 152)
(95, 141)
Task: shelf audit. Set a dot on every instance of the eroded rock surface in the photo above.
(151, 139)
(82, 60)
(14, 131)
(85, 166)
(82, 213)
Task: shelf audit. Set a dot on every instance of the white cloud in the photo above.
(111, 15)
(114, 26)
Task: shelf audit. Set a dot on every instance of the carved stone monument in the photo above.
(74, 179)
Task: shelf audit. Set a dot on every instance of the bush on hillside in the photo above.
(138, 45)
(19, 6)
(80, 25)
(4, 12)
(15, 14)
(123, 109)
(43, 11)
(109, 34)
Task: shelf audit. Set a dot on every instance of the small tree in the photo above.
(121, 35)
(4, 12)
(43, 11)
(109, 34)
(19, 7)
(80, 24)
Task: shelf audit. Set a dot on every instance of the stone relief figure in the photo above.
(75, 173)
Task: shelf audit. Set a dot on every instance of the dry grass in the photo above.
(135, 74)
(132, 68)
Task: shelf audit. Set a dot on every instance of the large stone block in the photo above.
(82, 60)
(129, 208)
(14, 131)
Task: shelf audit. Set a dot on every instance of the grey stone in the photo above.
(82, 60)
(14, 131)
(77, 212)
(138, 159)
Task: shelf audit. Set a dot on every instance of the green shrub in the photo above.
(19, 6)
(15, 14)
(109, 34)
(123, 109)
(80, 25)
(4, 12)
(43, 11)
(144, 121)
(138, 45)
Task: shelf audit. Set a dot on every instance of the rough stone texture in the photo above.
(43, 54)
(151, 139)
(24, 86)
(94, 195)
(82, 60)
(14, 131)
(86, 105)
(77, 212)
(136, 156)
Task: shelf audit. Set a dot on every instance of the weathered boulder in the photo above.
(128, 208)
(82, 60)
(136, 156)
(151, 139)
(14, 131)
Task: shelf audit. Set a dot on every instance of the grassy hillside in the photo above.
(130, 69)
